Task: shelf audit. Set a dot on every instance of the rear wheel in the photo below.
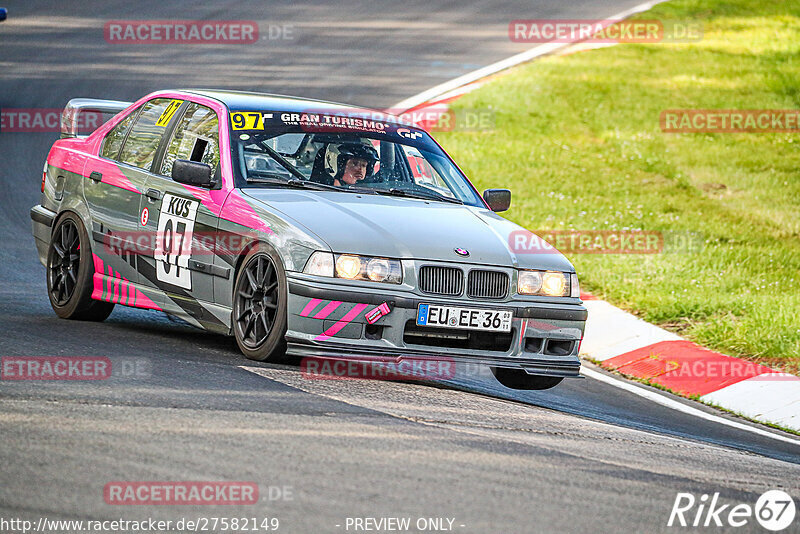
(259, 305)
(70, 268)
(519, 379)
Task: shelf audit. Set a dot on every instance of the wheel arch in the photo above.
(76, 207)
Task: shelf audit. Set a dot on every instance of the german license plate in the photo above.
(467, 318)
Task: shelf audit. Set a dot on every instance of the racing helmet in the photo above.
(336, 156)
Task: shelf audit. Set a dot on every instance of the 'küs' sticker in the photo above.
(174, 240)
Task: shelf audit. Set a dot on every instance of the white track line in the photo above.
(494, 68)
(529, 55)
(675, 405)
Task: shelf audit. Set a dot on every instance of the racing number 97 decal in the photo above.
(249, 120)
(174, 240)
(173, 106)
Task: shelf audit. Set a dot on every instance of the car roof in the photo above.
(251, 101)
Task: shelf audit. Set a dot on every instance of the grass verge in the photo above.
(577, 139)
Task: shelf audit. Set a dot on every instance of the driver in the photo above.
(349, 163)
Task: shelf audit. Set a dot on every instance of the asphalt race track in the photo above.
(583, 457)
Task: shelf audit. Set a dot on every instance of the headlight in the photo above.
(547, 283)
(378, 269)
(529, 283)
(320, 263)
(353, 267)
(348, 266)
(553, 284)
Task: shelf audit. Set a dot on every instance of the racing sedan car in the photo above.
(301, 227)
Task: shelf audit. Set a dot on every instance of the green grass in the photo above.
(577, 140)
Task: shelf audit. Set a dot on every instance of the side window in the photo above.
(196, 138)
(142, 143)
(425, 173)
(113, 139)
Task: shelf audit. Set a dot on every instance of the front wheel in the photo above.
(259, 305)
(519, 379)
(70, 268)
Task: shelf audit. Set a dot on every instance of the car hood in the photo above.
(393, 227)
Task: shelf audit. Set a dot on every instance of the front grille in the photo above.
(487, 284)
(436, 280)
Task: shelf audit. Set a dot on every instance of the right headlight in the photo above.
(354, 267)
(545, 283)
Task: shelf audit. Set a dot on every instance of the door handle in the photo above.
(154, 194)
(96, 176)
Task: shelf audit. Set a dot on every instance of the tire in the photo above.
(259, 305)
(70, 268)
(519, 379)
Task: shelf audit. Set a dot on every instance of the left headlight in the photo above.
(354, 267)
(545, 283)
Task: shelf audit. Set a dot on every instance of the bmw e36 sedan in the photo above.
(300, 227)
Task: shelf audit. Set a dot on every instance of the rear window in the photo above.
(113, 139)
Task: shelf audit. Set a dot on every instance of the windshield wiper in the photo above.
(427, 195)
(294, 182)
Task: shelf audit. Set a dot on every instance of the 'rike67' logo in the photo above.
(774, 510)
(174, 244)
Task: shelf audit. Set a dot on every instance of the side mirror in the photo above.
(498, 199)
(3, 14)
(193, 173)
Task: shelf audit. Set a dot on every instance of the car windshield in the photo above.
(318, 151)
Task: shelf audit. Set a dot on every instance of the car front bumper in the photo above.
(327, 320)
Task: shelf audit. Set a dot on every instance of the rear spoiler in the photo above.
(70, 118)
